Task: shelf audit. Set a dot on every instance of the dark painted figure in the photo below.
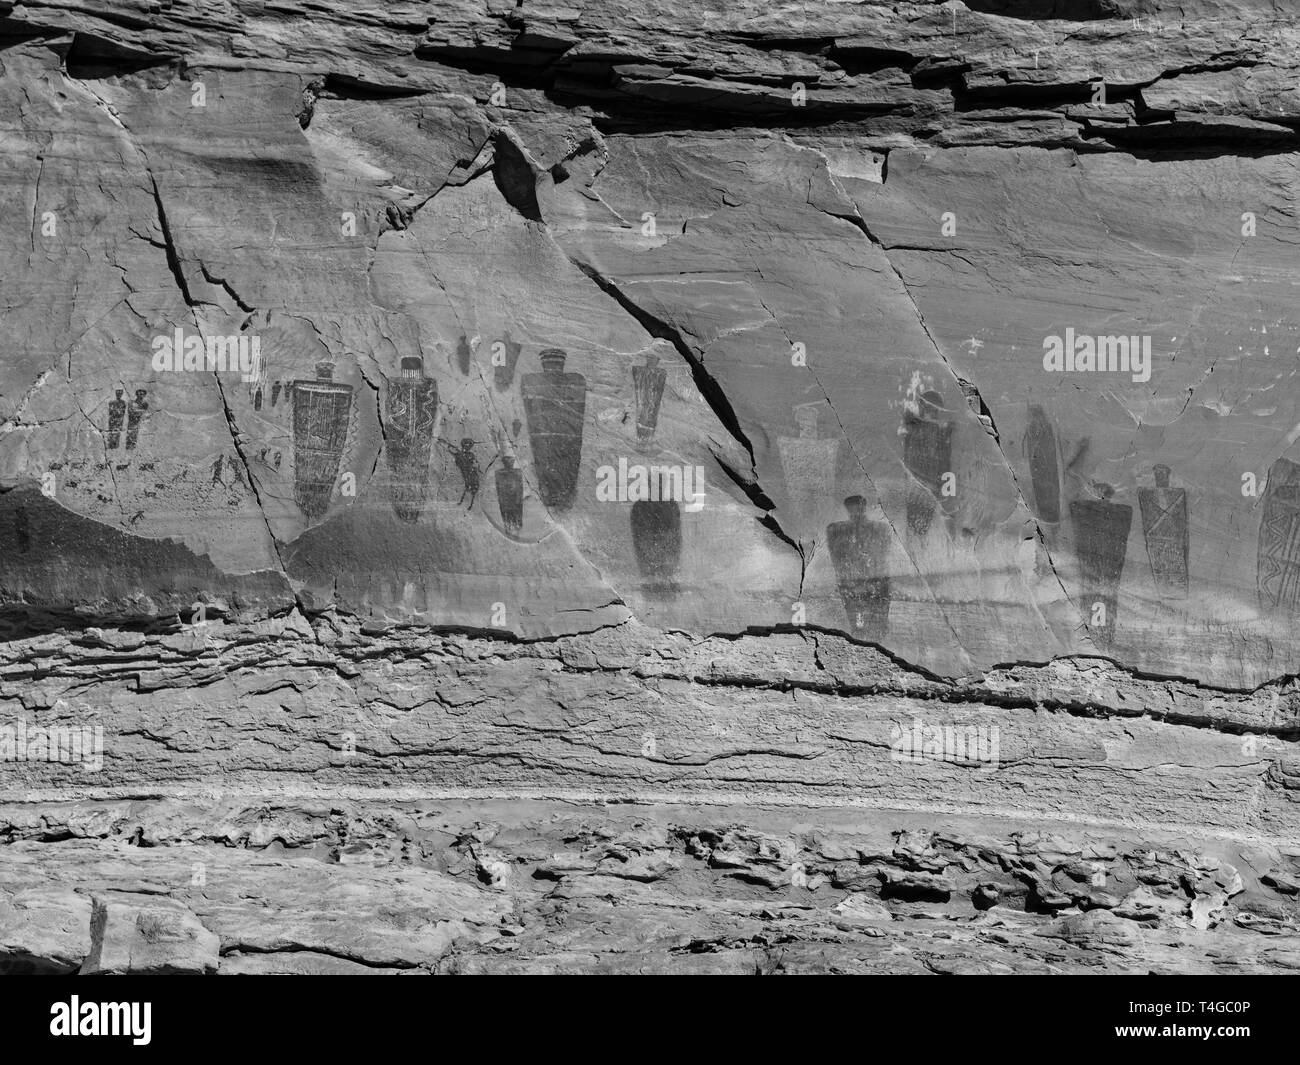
(859, 548)
(927, 454)
(275, 393)
(467, 463)
(554, 405)
(321, 410)
(139, 407)
(257, 398)
(116, 416)
(1277, 572)
(1164, 524)
(657, 541)
(412, 413)
(463, 356)
(1101, 531)
(648, 385)
(1044, 466)
(510, 493)
(503, 376)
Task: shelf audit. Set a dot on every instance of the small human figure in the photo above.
(116, 413)
(257, 398)
(467, 464)
(216, 469)
(275, 393)
(133, 419)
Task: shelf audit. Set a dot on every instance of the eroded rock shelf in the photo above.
(727, 486)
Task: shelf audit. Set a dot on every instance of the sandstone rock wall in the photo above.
(521, 486)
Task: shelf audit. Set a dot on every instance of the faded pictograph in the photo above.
(411, 419)
(123, 463)
(554, 407)
(808, 466)
(927, 454)
(322, 411)
(859, 551)
(648, 389)
(505, 357)
(1043, 455)
(1101, 529)
(1164, 526)
(1277, 572)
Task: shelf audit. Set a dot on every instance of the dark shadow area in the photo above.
(1076, 10)
(60, 570)
(90, 58)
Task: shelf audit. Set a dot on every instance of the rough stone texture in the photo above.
(375, 700)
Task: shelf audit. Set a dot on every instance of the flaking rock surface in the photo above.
(723, 486)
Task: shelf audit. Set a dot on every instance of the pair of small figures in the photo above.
(118, 413)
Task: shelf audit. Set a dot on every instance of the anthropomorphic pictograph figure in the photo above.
(116, 415)
(467, 464)
(134, 417)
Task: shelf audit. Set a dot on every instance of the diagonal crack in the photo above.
(235, 439)
(968, 388)
(712, 392)
(169, 245)
(169, 249)
(214, 280)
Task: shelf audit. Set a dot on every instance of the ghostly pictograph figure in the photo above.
(412, 413)
(808, 465)
(1101, 528)
(927, 454)
(1164, 526)
(1044, 466)
(1277, 572)
(648, 387)
(504, 360)
(321, 412)
(554, 405)
(859, 551)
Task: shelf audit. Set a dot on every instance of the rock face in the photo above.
(856, 442)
